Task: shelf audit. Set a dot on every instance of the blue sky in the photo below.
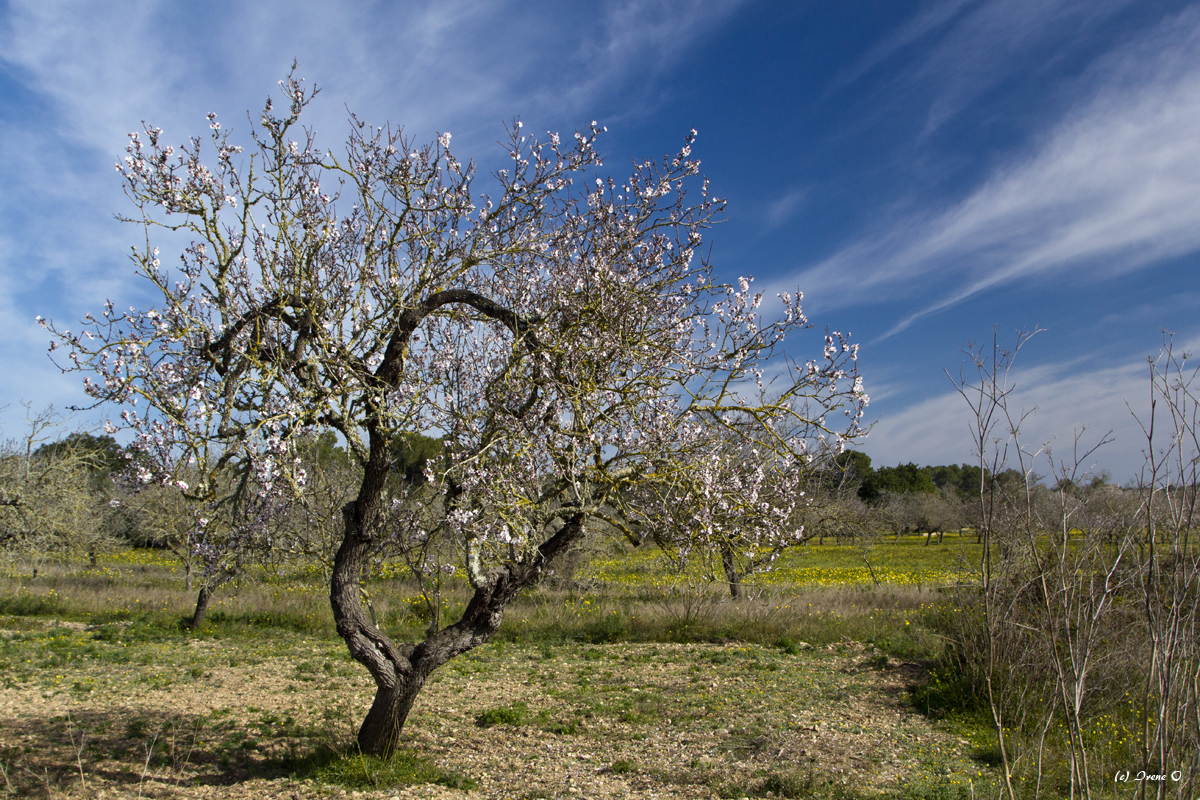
(926, 172)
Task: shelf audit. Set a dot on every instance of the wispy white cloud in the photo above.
(429, 66)
(972, 46)
(993, 40)
(781, 209)
(95, 72)
(1063, 399)
(460, 65)
(1113, 187)
(637, 39)
(933, 17)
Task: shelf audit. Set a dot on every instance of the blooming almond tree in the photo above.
(562, 335)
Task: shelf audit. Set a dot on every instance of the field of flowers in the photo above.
(819, 594)
(908, 562)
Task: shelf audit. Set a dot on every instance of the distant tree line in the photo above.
(73, 496)
(908, 498)
(872, 485)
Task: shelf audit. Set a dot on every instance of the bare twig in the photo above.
(78, 749)
(8, 787)
(149, 753)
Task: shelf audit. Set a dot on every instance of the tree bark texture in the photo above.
(202, 601)
(731, 572)
(400, 670)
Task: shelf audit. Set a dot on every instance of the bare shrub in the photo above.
(1082, 592)
(50, 507)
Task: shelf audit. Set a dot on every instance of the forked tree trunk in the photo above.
(400, 671)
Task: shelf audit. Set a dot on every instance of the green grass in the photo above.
(827, 601)
(514, 714)
(818, 599)
(138, 596)
(356, 771)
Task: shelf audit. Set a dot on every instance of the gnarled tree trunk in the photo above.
(401, 670)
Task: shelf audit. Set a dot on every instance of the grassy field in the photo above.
(631, 683)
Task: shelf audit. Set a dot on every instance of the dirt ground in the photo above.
(89, 716)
